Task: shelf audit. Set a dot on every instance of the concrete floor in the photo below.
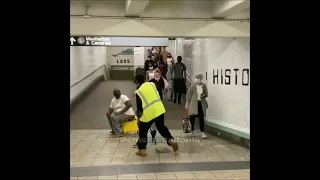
(95, 154)
(90, 112)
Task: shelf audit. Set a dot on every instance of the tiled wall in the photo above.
(83, 61)
(229, 105)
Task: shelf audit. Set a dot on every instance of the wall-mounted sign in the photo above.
(89, 41)
(231, 76)
(117, 41)
(121, 56)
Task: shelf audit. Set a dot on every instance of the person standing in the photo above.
(162, 67)
(197, 104)
(150, 72)
(169, 67)
(150, 109)
(147, 63)
(159, 82)
(164, 53)
(179, 71)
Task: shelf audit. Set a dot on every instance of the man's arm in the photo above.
(128, 106)
(139, 107)
(127, 103)
(110, 110)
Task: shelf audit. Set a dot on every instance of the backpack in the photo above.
(139, 70)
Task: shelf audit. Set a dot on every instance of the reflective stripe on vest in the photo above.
(147, 104)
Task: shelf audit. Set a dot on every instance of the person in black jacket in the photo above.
(159, 82)
(139, 111)
(159, 122)
(147, 63)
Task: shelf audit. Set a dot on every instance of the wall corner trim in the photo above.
(227, 129)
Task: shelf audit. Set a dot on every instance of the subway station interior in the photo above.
(111, 39)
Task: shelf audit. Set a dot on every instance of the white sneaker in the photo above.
(203, 135)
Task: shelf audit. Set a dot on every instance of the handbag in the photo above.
(186, 125)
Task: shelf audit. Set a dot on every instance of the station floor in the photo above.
(95, 154)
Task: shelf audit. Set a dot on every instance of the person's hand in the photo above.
(203, 95)
(186, 106)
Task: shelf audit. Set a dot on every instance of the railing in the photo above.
(112, 67)
(188, 80)
(105, 68)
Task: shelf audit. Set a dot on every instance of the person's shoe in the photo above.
(174, 145)
(141, 152)
(179, 103)
(111, 132)
(193, 134)
(203, 135)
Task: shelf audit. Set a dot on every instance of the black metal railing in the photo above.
(188, 80)
(105, 68)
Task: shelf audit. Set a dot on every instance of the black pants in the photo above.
(200, 116)
(179, 86)
(144, 127)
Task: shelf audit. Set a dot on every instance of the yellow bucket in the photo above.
(130, 126)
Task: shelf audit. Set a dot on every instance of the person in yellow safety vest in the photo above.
(150, 109)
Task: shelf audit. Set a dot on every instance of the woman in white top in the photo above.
(150, 73)
(196, 103)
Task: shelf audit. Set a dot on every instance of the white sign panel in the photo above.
(121, 56)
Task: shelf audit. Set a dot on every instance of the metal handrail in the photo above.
(105, 68)
(188, 78)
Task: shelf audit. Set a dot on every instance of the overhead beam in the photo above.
(229, 7)
(135, 7)
(155, 28)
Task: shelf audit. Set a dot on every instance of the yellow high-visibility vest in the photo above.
(151, 101)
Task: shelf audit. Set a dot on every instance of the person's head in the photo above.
(198, 78)
(139, 79)
(116, 93)
(149, 58)
(169, 55)
(157, 75)
(179, 59)
(151, 66)
(164, 48)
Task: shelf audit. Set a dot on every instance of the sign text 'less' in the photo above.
(123, 61)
